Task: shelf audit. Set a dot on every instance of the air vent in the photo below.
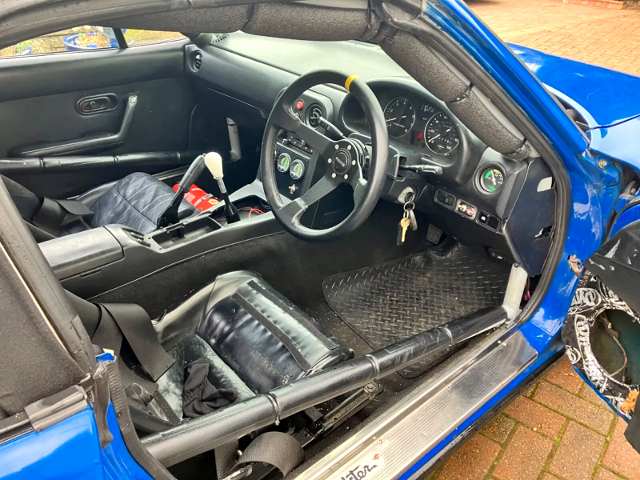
(197, 60)
(314, 112)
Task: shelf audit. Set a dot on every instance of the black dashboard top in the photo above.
(366, 60)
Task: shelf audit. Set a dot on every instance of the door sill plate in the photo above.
(396, 440)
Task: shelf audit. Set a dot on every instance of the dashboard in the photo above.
(424, 133)
(462, 187)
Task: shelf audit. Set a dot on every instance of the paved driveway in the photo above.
(609, 38)
(557, 429)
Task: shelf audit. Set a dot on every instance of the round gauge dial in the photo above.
(297, 169)
(283, 162)
(440, 134)
(400, 117)
(491, 179)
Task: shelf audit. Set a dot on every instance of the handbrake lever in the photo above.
(170, 214)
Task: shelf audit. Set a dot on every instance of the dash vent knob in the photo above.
(197, 60)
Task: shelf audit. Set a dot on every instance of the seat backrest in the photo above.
(27, 202)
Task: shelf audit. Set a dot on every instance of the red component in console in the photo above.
(200, 199)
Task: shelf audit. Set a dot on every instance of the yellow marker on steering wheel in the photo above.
(350, 79)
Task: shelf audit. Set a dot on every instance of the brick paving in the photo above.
(557, 429)
(600, 36)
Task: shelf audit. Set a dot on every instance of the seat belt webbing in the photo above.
(277, 449)
(132, 322)
(55, 214)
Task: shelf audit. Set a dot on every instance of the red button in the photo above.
(299, 105)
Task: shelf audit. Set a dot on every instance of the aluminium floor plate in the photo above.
(392, 301)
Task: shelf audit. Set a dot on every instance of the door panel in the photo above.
(602, 328)
(617, 264)
(39, 105)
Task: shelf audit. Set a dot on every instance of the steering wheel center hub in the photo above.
(346, 156)
(341, 161)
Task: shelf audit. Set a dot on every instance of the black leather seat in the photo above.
(136, 201)
(254, 338)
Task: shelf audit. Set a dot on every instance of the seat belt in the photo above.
(277, 449)
(55, 214)
(132, 322)
(225, 458)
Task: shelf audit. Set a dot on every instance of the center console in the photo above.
(95, 261)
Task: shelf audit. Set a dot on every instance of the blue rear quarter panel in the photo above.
(70, 449)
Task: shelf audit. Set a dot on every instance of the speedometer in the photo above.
(399, 116)
(440, 134)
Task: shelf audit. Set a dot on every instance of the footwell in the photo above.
(391, 301)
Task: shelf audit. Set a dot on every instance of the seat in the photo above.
(136, 201)
(253, 338)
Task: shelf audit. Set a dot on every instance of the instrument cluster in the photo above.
(414, 120)
(424, 126)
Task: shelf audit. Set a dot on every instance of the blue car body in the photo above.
(528, 76)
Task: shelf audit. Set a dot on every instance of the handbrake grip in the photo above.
(170, 214)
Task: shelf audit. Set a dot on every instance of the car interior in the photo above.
(277, 208)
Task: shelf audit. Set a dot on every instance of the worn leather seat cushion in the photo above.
(136, 201)
(265, 339)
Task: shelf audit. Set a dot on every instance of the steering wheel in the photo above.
(339, 161)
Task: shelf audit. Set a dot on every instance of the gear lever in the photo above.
(213, 161)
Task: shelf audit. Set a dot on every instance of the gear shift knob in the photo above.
(213, 161)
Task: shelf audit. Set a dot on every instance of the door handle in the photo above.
(97, 104)
(88, 142)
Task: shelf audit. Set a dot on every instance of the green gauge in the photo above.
(283, 162)
(491, 180)
(297, 169)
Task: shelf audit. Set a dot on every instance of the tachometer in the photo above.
(400, 117)
(440, 134)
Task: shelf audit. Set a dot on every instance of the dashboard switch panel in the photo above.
(466, 209)
(445, 198)
(489, 221)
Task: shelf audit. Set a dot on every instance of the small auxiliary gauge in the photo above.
(283, 162)
(297, 169)
(491, 180)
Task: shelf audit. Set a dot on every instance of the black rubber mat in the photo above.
(389, 302)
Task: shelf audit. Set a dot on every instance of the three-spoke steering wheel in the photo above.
(339, 161)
